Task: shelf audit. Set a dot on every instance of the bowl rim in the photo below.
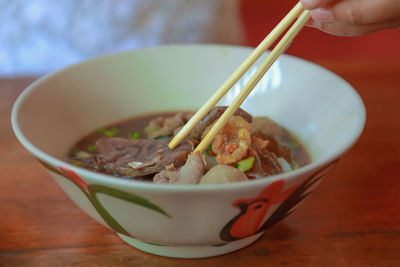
(148, 186)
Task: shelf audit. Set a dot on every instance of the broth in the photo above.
(128, 137)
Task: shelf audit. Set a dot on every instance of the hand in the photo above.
(353, 17)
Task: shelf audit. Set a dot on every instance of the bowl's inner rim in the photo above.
(103, 178)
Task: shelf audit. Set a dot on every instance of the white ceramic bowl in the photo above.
(187, 221)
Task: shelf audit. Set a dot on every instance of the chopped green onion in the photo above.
(83, 155)
(109, 132)
(208, 150)
(76, 163)
(293, 142)
(245, 164)
(91, 148)
(134, 136)
(163, 137)
(296, 165)
(73, 152)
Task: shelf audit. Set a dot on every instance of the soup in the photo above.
(246, 148)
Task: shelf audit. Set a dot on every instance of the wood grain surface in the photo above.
(352, 219)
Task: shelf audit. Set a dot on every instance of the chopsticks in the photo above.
(302, 17)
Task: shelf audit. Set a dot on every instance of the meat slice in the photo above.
(190, 173)
(223, 174)
(279, 138)
(168, 176)
(266, 163)
(126, 157)
(267, 126)
(212, 116)
(279, 148)
(161, 126)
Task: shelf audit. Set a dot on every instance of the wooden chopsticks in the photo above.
(302, 17)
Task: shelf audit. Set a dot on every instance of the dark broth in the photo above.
(135, 127)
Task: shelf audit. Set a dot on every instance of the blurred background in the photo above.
(39, 36)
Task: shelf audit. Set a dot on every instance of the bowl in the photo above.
(186, 221)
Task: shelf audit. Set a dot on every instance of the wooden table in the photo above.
(353, 218)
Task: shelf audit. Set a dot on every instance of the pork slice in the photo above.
(275, 145)
(166, 126)
(110, 151)
(140, 157)
(223, 174)
(265, 164)
(267, 126)
(212, 116)
(193, 170)
(190, 173)
(168, 176)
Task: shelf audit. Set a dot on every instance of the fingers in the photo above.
(361, 12)
(323, 15)
(353, 17)
(354, 11)
(343, 29)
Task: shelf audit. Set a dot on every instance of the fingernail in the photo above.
(316, 24)
(322, 15)
(309, 4)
